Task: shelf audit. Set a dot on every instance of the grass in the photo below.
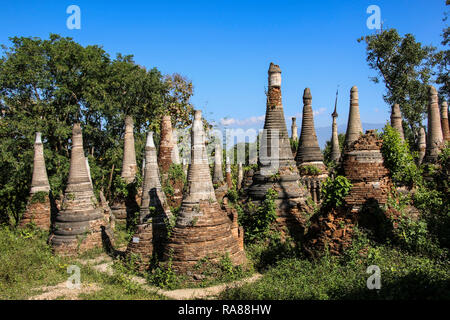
(403, 276)
(27, 263)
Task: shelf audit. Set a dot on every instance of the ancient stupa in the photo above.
(308, 152)
(228, 175)
(354, 127)
(78, 225)
(434, 139)
(202, 229)
(335, 149)
(124, 209)
(396, 120)
(151, 231)
(240, 176)
(294, 129)
(444, 121)
(218, 159)
(38, 210)
(168, 155)
(422, 144)
(277, 169)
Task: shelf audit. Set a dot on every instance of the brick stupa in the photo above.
(444, 121)
(396, 120)
(354, 127)
(38, 211)
(124, 209)
(167, 156)
(294, 129)
(202, 229)
(151, 231)
(434, 138)
(78, 225)
(422, 144)
(277, 169)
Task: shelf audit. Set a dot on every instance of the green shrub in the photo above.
(334, 191)
(310, 170)
(398, 159)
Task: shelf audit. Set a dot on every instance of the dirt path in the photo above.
(103, 263)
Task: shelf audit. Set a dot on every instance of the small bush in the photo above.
(334, 191)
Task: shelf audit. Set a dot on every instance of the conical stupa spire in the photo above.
(129, 166)
(422, 144)
(444, 121)
(354, 127)
(396, 120)
(218, 156)
(202, 229)
(240, 176)
(152, 194)
(78, 224)
(308, 147)
(294, 129)
(335, 149)
(434, 139)
(39, 181)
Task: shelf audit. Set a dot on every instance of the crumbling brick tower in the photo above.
(396, 120)
(435, 139)
(202, 229)
(308, 152)
(294, 129)
(124, 209)
(363, 166)
(221, 187)
(168, 155)
(276, 165)
(151, 231)
(78, 225)
(38, 210)
(444, 121)
(422, 144)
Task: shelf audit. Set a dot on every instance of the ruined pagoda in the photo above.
(38, 210)
(335, 149)
(294, 129)
(354, 127)
(202, 228)
(444, 121)
(396, 120)
(277, 169)
(78, 225)
(124, 208)
(435, 138)
(422, 144)
(151, 231)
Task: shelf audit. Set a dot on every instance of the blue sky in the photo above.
(225, 47)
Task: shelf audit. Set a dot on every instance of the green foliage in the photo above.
(398, 159)
(310, 170)
(163, 275)
(294, 144)
(334, 191)
(257, 220)
(40, 196)
(48, 85)
(232, 195)
(405, 67)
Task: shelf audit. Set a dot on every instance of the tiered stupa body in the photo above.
(277, 168)
(124, 209)
(151, 231)
(78, 225)
(396, 120)
(444, 121)
(308, 152)
(335, 148)
(202, 229)
(38, 210)
(354, 127)
(435, 138)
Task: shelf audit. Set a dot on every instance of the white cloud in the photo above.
(241, 122)
(318, 112)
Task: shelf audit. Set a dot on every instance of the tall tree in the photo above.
(405, 66)
(443, 57)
